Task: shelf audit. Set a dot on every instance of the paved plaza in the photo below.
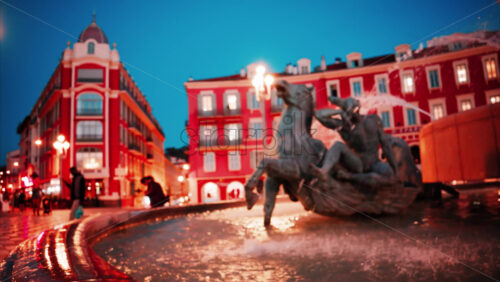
(15, 227)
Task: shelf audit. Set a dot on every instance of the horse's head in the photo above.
(295, 95)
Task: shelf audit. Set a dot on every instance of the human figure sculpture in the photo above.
(329, 182)
(360, 152)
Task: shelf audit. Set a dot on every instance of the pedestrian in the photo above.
(4, 201)
(154, 192)
(22, 200)
(77, 188)
(36, 195)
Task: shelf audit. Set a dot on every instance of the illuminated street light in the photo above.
(8, 172)
(186, 167)
(1, 172)
(62, 146)
(38, 142)
(262, 83)
(180, 178)
(16, 164)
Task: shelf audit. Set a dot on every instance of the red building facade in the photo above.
(407, 89)
(94, 103)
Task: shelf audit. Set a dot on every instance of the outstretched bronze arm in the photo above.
(325, 117)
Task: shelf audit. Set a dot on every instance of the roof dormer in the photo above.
(304, 65)
(354, 60)
(403, 52)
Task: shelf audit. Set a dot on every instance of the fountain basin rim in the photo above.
(65, 251)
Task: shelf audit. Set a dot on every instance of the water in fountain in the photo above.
(458, 241)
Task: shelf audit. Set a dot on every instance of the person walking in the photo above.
(22, 200)
(36, 195)
(5, 201)
(77, 187)
(154, 192)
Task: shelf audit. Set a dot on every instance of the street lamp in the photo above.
(62, 146)
(262, 83)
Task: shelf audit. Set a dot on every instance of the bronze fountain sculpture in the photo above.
(349, 177)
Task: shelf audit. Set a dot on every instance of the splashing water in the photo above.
(371, 102)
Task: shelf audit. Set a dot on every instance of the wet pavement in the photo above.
(15, 227)
(458, 241)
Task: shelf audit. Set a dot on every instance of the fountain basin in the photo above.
(65, 253)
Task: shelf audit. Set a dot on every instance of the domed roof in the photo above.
(93, 31)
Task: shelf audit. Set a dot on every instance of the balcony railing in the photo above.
(149, 156)
(89, 112)
(89, 138)
(134, 127)
(134, 147)
(233, 142)
(208, 142)
(219, 112)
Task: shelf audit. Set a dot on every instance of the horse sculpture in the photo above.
(299, 157)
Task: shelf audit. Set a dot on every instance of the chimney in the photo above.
(338, 60)
(242, 72)
(323, 64)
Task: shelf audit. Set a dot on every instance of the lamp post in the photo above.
(262, 83)
(62, 146)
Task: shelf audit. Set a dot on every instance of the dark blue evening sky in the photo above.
(165, 42)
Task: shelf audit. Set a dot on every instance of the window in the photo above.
(234, 160)
(490, 67)
(90, 75)
(465, 105)
(465, 102)
(386, 119)
(209, 161)
(208, 135)
(381, 81)
(206, 104)
(89, 104)
(255, 129)
(233, 133)
(252, 102)
(407, 82)
(411, 117)
(89, 131)
(333, 89)
(276, 102)
(492, 96)
(437, 107)
(461, 72)
(356, 87)
(255, 158)
(89, 158)
(438, 111)
(232, 102)
(91, 48)
(304, 69)
(433, 77)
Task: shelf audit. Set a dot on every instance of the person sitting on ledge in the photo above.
(154, 192)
